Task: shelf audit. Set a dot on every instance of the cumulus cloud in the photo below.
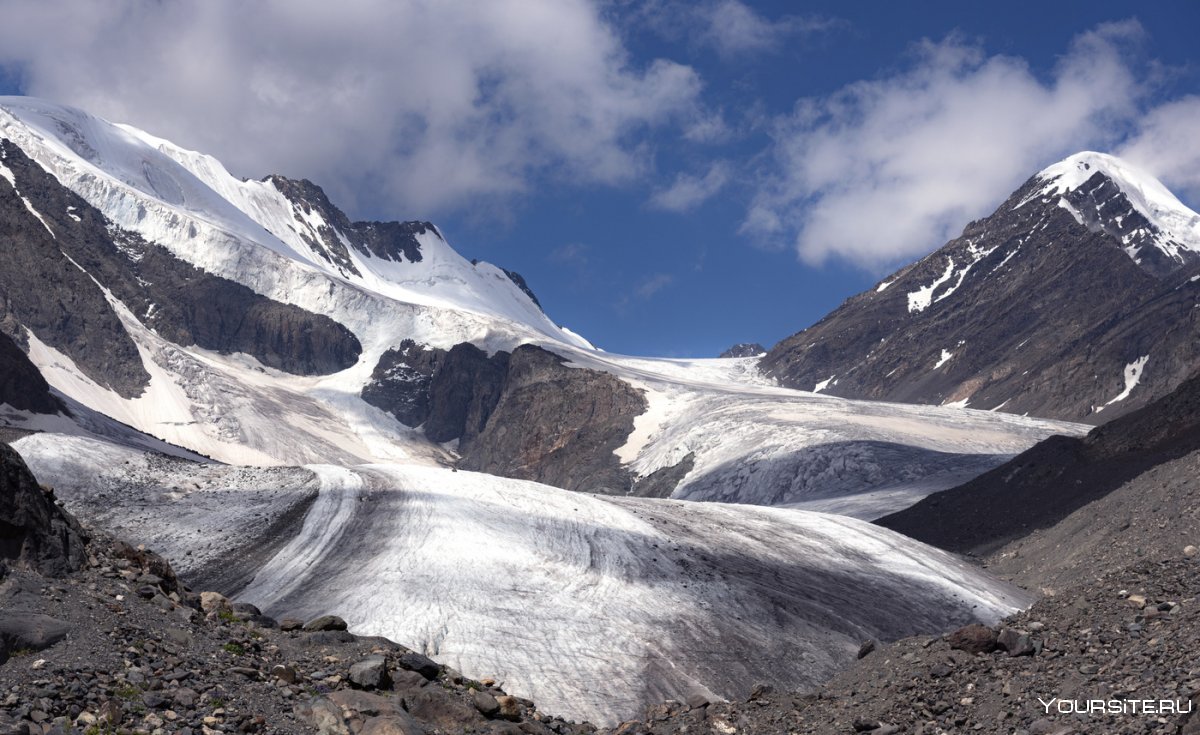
(887, 169)
(409, 106)
(1167, 143)
(688, 192)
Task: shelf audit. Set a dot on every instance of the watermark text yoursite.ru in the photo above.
(1116, 706)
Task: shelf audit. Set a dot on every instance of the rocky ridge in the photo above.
(60, 251)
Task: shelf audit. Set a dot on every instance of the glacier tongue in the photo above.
(593, 606)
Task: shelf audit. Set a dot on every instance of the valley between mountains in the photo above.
(314, 416)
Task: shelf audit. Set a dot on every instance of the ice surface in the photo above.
(593, 606)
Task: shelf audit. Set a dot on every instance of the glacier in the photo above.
(295, 494)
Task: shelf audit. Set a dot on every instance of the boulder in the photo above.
(324, 623)
(423, 665)
(215, 602)
(486, 704)
(370, 673)
(29, 632)
(1015, 642)
(974, 638)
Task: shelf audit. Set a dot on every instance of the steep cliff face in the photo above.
(1074, 300)
(35, 533)
(524, 415)
(558, 425)
(70, 270)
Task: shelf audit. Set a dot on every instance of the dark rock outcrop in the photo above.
(396, 241)
(521, 283)
(1029, 311)
(35, 533)
(557, 425)
(744, 349)
(525, 415)
(62, 256)
(463, 393)
(21, 385)
(400, 383)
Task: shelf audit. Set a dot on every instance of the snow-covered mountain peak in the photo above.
(1108, 193)
(280, 237)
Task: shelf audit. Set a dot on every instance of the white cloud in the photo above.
(888, 169)
(652, 285)
(730, 27)
(413, 106)
(1168, 144)
(733, 28)
(689, 192)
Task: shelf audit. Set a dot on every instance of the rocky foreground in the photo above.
(99, 637)
(1132, 636)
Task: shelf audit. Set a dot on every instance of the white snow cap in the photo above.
(1178, 225)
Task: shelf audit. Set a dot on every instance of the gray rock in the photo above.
(36, 533)
(1015, 642)
(29, 632)
(423, 665)
(325, 622)
(486, 704)
(370, 673)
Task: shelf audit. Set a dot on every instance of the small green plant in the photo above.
(21, 652)
(227, 616)
(216, 702)
(234, 648)
(127, 692)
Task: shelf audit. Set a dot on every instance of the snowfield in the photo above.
(593, 606)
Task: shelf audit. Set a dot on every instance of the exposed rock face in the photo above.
(1029, 311)
(1059, 476)
(518, 279)
(744, 349)
(525, 415)
(557, 425)
(463, 393)
(61, 250)
(387, 240)
(35, 533)
(21, 385)
(401, 381)
(42, 290)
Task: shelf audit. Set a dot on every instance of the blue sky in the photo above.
(670, 177)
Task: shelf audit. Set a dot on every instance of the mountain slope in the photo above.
(254, 322)
(1057, 477)
(1074, 300)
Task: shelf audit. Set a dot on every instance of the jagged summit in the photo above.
(1107, 193)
